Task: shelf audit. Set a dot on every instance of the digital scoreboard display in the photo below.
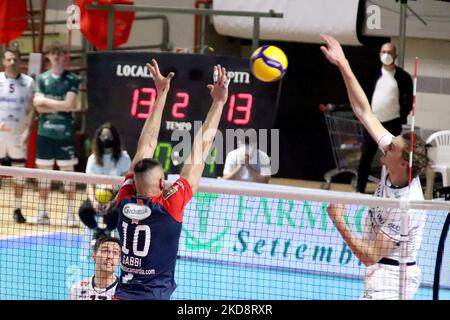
(121, 91)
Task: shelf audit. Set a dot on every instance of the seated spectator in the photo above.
(102, 285)
(247, 163)
(107, 158)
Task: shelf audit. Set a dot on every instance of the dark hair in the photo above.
(245, 136)
(145, 165)
(420, 158)
(13, 50)
(56, 47)
(97, 147)
(104, 239)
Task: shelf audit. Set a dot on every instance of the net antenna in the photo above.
(404, 224)
(413, 121)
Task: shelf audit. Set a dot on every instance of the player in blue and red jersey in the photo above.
(150, 217)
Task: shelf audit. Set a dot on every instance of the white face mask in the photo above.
(386, 59)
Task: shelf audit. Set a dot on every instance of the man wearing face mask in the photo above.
(247, 163)
(391, 102)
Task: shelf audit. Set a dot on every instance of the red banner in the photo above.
(13, 19)
(94, 23)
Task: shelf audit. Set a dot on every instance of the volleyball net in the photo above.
(238, 241)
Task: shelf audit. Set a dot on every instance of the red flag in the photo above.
(94, 23)
(13, 19)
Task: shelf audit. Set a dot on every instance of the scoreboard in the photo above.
(120, 90)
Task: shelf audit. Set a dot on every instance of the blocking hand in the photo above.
(219, 90)
(162, 83)
(333, 50)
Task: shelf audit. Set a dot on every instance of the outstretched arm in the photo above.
(149, 134)
(358, 99)
(195, 163)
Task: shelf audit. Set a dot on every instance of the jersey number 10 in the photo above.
(145, 229)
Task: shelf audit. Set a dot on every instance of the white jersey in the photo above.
(259, 161)
(85, 290)
(109, 166)
(387, 220)
(15, 95)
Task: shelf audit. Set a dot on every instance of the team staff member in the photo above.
(55, 101)
(391, 104)
(247, 162)
(150, 217)
(379, 249)
(16, 114)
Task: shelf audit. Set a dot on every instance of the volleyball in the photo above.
(268, 63)
(104, 193)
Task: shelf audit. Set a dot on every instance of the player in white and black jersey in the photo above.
(16, 115)
(102, 285)
(379, 248)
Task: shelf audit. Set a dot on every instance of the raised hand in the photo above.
(219, 90)
(333, 50)
(162, 83)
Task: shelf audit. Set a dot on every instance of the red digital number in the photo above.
(149, 101)
(243, 111)
(137, 102)
(180, 105)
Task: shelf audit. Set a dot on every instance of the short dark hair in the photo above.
(104, 239)
(420, 156)
(145, 165)
(13, 50)
(56, 47)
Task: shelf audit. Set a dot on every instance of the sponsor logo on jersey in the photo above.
(172, 190)
(394, 227)
(169, 193)
(136, 212)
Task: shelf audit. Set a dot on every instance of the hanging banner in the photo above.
(94, 23)
(13, 19)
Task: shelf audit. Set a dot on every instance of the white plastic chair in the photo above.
(440, 156)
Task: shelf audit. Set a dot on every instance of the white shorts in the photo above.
(11, 146)
(382, 282)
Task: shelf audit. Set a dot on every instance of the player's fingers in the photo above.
(219, 73)
(155, 65)
(170, 75)
(325, 38)
(226, 80)
(333, 40)
(150, 68)
(215, 74)
(222, 72)
(210, 87)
